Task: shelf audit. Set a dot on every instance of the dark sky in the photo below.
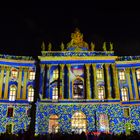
(23, 29)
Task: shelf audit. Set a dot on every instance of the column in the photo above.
(108, 81)
(1, 80)
(95, 81)
(61, 88)
(48, 66)
(88, 81)
(6, 82)
(135, 83)
(19, 83)
(24, 83)
(69, 67)
(41, 80)
(115, 81)
(129, 83)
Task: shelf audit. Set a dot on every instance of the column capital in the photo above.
(25, 69)
(7, 68)
(94, 65)
(48, 66)
(133, 69)
(62, 65)
(42, 65)
(107, 65)
(127, 70)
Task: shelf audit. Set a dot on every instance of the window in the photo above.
(55, 74)
(122, 75)
(12, 93)
(138, 74)
(9, 128)
(30, 94)
(78, 88)
(124, 94)
(53, 124)
(55, 93)
(10, 112)
(104, 123)
(28, 111)
(78, 122)
(126, 112)
(101, 92)
(14, 73)
(99, 74)
(31, 75)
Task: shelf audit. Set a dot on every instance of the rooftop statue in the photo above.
(92, 46)
(104, 46)
(43, 46)
(77, 40)
(111, 46)
(49, 47)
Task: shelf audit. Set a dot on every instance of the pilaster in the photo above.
(95, 81)
(6, 82)
(1, 80)
(69, 67)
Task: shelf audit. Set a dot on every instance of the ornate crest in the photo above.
(77, 39)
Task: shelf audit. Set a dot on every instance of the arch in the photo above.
(78, 87)
(53, 124)
(104, 123)
(78, 122)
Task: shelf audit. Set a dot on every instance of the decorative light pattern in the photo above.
(124, 94)
(12, 93)
(92, 112)
(101, 92)
(30, 94)
(122, 75)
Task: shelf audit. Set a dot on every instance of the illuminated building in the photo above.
(17, 80)
(86, 90)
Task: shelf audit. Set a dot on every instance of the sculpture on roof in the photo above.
(62, 46)
(77, 40)
(43, 46)
(104, 46)
(92, 46)
(111, 46)
(49, 46)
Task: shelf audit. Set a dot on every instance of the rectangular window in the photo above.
(10, 112)
(55, 74)
(30, 94)
(99, 74)
(122, 75)
(124, 94)
(9, 128)
(12, 93)
(28, 111)
(31, 75)
(55, 93)
(138, 74)
(126, 112)
(101, 93)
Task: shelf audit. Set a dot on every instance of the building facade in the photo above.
(86, 90)
(80, 89)
(17, 81)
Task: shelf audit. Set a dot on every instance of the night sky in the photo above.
(22, 30)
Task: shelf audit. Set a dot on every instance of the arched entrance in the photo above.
(53, 124)
(78, 122)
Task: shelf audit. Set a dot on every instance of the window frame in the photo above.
(122, 76)
(124, 94)
(101, 92)
(14, 73)
(12, 93)
(30, 94)
(31, 75)
(55, 93)
(99, 74)
(138, 74)
(55, 74)
(10, 116)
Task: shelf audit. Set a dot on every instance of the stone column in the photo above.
(115, 82)
(19, 83)
(1, 80)
(6, 82)
(61, 88)
(135, 83)
(88, 81)
(108, 81)
(24, 83)
(129, 83)
(69, 67)
(48, 66)
(95, 81)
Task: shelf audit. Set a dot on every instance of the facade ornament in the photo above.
(77, 40)
(43, 46)
(92, 46)
(111, 46)
(104, 46)
(62, 46)
(49, 46)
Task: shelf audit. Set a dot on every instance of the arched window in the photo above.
(53, 124)
(122, 75)
(31, 75)
(124, 94)
(55, 93)
(55, 74)
(12, 95)
(78, 122)
(99, 73)
(14, 73)
(104, 123)
(101, 92)
(138, 74)
(78, 88)
(30, 94)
